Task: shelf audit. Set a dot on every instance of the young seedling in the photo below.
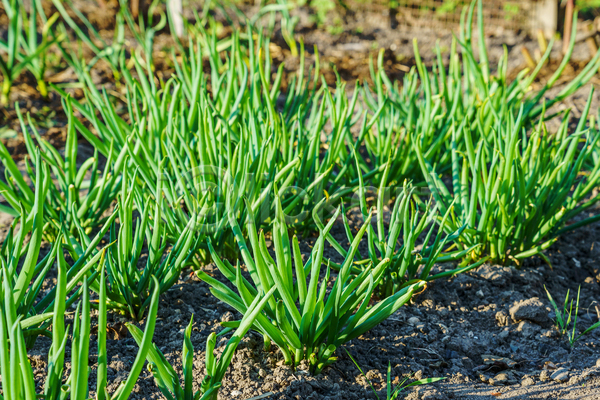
(393, 392)
(563, 318)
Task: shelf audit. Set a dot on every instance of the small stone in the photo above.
(495, 274)
(574, 380)
(504, 334)
(413, 321)
(528, 381)
(502, 318)
(499, 380)
(598, 363)
(479, 293)
(502, 362)
(227, 317)
(532, 310)
(236, 393)
(560, 375)
(262, 373)
(527, 329)
(544, 376)
(550, 333)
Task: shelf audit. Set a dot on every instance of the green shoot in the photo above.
(393, 393)
(563, 318)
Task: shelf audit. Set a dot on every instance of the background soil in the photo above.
(448, 331)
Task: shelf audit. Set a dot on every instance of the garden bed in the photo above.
(490, 331)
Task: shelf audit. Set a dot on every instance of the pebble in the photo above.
(532, 310)
(544, 376)
(262, 373)
(504, 334)
(598, 363)
(227, 317)
(528, 381)
(495, 274)
(236, 393)
(500, 379)
(527, 329)
(414, 321)
(560, 375)
(574, 380)
(502, 318)
(503, 378)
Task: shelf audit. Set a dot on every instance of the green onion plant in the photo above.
(398, 239)
(303, 318)
(514, 190)
(18, 381)
(129, 289)
(23, 48)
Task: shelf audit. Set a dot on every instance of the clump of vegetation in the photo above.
(129, 285)
(304, 319)
(25, 48)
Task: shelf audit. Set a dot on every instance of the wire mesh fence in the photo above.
(446, 14)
